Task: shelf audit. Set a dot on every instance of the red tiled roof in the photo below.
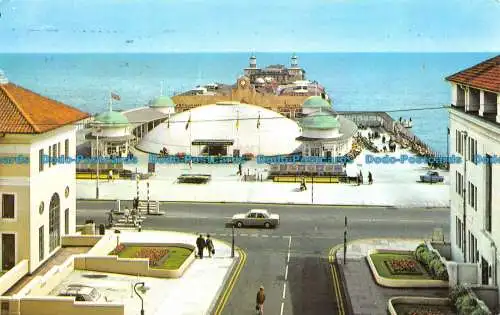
(24, 111)
(485, 75)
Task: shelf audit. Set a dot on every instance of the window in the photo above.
(58, 149)
(459, 144)
(472, 196)
(66, 221)
(41, 239)
(8, 201)
(50, 156)
(66, 147)
(459, 233)
(54, 153)
(459, 186)
(472, 150)
(40, 160)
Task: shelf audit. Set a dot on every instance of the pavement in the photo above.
(291, 261)
(394, 185)
(365, 296)
(192, 294)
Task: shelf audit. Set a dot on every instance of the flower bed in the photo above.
(412, 309)
(398, 266)
(403, 266)
(154, 254)
(166, 257)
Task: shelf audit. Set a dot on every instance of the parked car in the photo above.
(256, 217)
(83, 293)
(431, 177)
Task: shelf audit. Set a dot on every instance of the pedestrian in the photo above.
(240, 169)
(261, 298)
(360, 177)
(210, 246)
(110, 175)
(383, 139)
(370, 178)
(190, 164)
(200, 243)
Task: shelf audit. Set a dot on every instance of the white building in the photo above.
(475, 185)
(38, 199)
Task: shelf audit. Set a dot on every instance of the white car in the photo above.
(256, 217)
(83, 293)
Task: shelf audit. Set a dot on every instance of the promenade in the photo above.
(394, 185)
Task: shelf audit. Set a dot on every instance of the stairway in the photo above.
(154, 207)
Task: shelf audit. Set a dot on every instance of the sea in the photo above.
(407, 85)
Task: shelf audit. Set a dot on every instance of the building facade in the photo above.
(474, 135)
(38, 195)
(275, 73)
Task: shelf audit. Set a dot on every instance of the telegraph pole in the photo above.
(345, 239)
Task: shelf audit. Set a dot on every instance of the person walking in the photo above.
(210, 246)
(200, 243)
(110, 175)
(370, 178)
(261, 298)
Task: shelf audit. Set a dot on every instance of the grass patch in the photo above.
(174, 258)
(380, 261)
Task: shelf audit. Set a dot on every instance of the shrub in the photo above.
(456, 292)
(118, 249)
(431, 261)
(248, 156)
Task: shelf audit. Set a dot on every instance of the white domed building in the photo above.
(226, 129)
(163, 104)
(111, 135)
(315, 103)
(326, 134)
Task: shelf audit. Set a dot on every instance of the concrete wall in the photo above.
(444, 249)
(104, 246)
(462, 273)
(80, 240)
(67, 306)
(489, 295)
(13, 275)
(45, 284)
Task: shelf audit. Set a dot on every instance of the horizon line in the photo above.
(246, 52)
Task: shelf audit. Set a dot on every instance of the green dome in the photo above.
(112, 118)
(162, 101)
(316, 102)
(320, 120)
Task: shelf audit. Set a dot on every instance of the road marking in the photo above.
(275, 236)
(282, 306)
(286, 273)
(289, 242)
(222, 234)
(244, 234)
(336, 288)
(254, 235)
(284, 290)
(264, 235)
(288, 259)
(234, 278)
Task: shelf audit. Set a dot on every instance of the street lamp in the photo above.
(232, 243)
(143, 289)
(98, 131)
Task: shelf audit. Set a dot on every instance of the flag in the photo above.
(115, 96)
(237, 120)
(258, 122)
(188, 122)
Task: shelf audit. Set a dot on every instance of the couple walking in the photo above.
(201, 243)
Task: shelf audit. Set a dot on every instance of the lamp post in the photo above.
(97, 169)
(232, 242)
(140, 297)
(345, 239)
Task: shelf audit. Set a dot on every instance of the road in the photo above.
(290, 261)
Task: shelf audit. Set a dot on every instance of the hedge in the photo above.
(432, 262)
(466, 302)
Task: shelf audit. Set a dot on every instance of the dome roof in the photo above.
(274, 135)
(320, 120)
(112, 118)
(316, 102)
(162, 101)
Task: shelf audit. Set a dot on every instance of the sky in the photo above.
(72, 26)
